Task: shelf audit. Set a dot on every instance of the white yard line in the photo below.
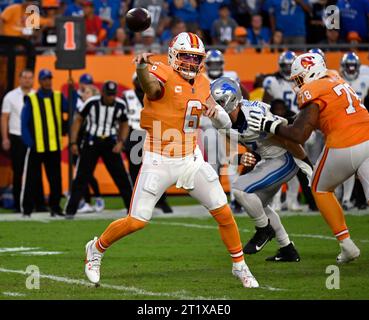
(13, 294)
(182, 295)
(201, 226)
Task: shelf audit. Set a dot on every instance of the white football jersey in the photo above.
(134, 108)
(364, 70)
(258, 142)
(360, 85)
(280, 88)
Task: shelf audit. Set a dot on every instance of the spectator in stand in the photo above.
(147, 42)
(75, 9)
(257, 34)
(316, 26)
(208, 13)
(353, 38)
(109, 12)
(242, 10)
(13, 20)
(223, 28)
(177, 26)
(289, 17)
(119, 44)
(277, 40)
(95, 33)
(159, 13)
(239, 40)
(332, 39)
(354, 16)
(185, 10)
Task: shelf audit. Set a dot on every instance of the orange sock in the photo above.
(332, 212)
(117, 230)
(229, 232)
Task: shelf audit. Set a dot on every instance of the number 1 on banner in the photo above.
(69, 43)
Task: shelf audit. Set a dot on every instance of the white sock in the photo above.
(280, 232)
(239, 265)
(348, 186)
(253, 206)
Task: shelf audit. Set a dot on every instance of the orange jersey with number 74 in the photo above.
(343, 118)
(172, 120)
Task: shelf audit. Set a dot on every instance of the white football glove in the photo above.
(268, 123)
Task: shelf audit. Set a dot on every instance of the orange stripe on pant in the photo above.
(319, 170)
(328, 204)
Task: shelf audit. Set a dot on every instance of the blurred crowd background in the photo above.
(227, 24)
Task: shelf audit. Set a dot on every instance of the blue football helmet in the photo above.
(350, 66)
(214, 64)
(285, 62)
(226, 92)
(318, 51)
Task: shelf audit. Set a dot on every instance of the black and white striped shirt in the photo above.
(103, 121)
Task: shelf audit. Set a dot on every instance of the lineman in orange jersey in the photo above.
(175, 97)
(328, 103)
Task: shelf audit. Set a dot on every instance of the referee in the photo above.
(105, 133)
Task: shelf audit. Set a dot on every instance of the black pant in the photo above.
(88, 159)
(52, 164)
(91, 183)
(133, 148)
(17, 154)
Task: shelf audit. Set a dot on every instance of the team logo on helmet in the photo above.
(307, 62)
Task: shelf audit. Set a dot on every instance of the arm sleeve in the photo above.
(25, 123)
(222, 120)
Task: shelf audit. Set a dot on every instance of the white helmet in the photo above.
(308, 67)
(186, 54)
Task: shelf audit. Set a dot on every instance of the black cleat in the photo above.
(286, 254)
(165, 207)
(261, 237)
(56, 212)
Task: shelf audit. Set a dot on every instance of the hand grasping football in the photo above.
(138, 19)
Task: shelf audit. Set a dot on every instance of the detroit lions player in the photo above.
(212, 141)
(279, 86)
(350, 71)
(256, 189)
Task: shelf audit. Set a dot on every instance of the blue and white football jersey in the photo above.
(279, 88)
(258, 142)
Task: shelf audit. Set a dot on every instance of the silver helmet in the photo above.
(226, 92)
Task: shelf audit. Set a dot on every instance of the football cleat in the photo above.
(93, 261)
(349, 251)
(286, 254)
(99, 204)
(261, 237)
(244, 274)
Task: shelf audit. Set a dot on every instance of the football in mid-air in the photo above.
(138, 19)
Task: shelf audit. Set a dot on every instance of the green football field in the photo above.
(176, 258)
